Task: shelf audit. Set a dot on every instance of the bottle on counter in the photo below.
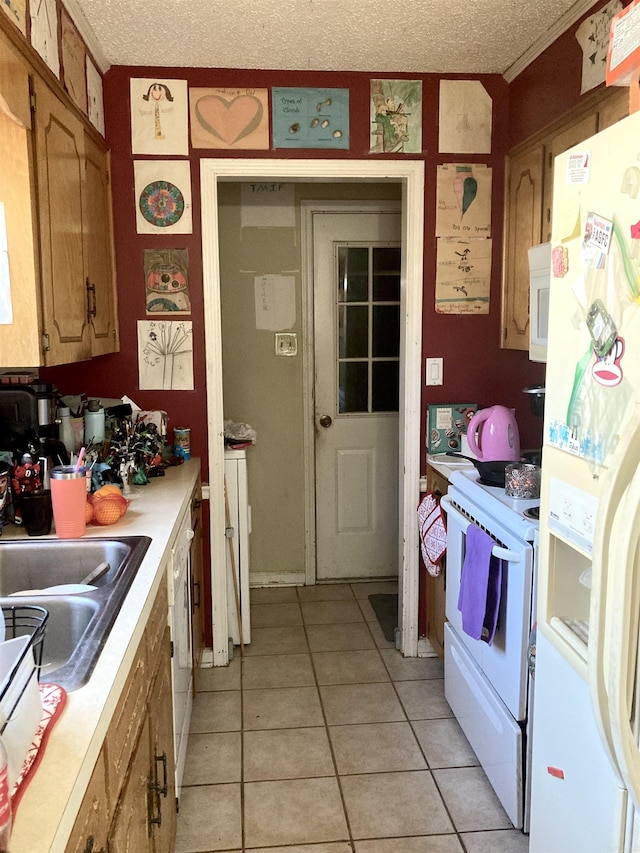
(94, 423)
(5, 800)
(66, 430)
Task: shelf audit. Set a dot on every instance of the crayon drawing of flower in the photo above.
(166, 349)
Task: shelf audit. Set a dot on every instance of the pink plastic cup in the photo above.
(69, 499)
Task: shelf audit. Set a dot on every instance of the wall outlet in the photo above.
(286, 344)
(434, 371)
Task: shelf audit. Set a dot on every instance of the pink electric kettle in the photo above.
(493, 435)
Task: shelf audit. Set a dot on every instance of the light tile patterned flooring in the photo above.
(324, 739)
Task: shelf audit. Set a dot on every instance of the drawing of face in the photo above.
(607, 371)
(158, 92)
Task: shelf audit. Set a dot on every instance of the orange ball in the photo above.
(109, 509)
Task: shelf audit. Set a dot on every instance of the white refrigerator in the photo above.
(586, 719)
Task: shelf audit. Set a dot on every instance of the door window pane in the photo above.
(386, 331)
(353, 331)
(385, 386)
(353, 388)
(353, 273)
(386, 273)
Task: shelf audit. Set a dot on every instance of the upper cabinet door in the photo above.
(60, 140)
(523, 228)
(102, 301)
(558, 144)
(14, 82)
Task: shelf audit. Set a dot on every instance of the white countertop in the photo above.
(446, 465)
(48, 809)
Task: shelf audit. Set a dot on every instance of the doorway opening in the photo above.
(410, 175)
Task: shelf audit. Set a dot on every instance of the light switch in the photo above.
(286, 344)
(434, 371)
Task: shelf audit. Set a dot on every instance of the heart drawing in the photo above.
(229, 121)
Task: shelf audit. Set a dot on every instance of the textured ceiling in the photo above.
(414, 36)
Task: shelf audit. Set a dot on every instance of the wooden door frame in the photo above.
(308, 209)
(410, 174)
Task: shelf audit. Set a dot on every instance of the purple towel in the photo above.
(480, 585)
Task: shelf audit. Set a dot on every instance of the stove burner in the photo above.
(533, 512)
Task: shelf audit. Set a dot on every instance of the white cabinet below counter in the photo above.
(119, 710)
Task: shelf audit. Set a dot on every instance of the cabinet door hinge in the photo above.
(46, 345)
(171, 647)
(32, 99)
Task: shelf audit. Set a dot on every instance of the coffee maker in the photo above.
(28, 422)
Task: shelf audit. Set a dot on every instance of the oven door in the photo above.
(504, 662)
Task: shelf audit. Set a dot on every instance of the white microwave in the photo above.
(540, 280)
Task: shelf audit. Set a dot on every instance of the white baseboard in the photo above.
(425, 649)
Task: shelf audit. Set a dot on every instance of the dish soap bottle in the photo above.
(5, 800)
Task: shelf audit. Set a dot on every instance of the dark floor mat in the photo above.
(386, 609)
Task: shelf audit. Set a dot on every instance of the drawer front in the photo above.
(494, 735)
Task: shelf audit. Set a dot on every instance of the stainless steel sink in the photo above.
(79, 623)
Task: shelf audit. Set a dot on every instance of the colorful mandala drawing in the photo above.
(161, 203)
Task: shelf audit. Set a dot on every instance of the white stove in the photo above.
(488, 686)
(513, 513)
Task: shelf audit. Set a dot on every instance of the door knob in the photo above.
(325, 421)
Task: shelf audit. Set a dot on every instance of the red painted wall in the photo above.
(475, 368)
(549, 86)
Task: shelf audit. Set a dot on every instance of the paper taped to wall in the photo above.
(275, 302)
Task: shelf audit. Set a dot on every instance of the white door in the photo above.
(357, 344)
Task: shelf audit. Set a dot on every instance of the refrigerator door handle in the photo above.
(623, 625)
(624, 462)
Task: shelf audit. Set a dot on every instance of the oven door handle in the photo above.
(497, 550)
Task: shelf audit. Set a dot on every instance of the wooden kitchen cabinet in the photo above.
(20, 341)
(74, 208)
(435, 587)
(89, 834)
(523, 228)
(133, 783)
(61, 249)
(162, 805)
(528, 200)
(100, 279)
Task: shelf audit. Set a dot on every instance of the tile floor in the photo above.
(324, 739)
